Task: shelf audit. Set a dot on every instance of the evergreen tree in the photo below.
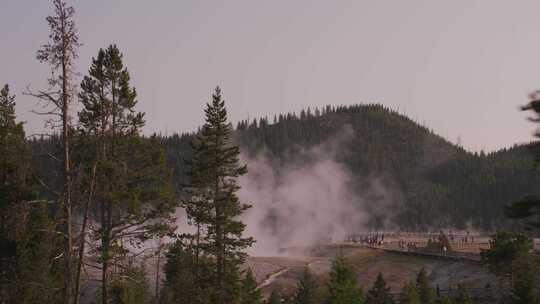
(512, 259)
(14, 177)
(505, 249)
(525, 209)
(342, 286)
(275, 297)
(60, 53)
(7, 113)
(28, 241)
(306, 289)
(426, 293)
(250, 294)
(14, 191)
(187, 280)
(379, 293)
(39, 276)
(133, 194)
(446, 300)
(131, 286)
(462, 296)
(409, 294)
(528, 208)
(525, 285)
(214, 207)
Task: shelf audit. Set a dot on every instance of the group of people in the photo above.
(368, 239)
(463, 238)
(409, 246)
(413, 241)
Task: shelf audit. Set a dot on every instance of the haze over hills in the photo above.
(378, 168)
(342, 169)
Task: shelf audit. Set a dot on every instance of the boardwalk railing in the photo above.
(450, 255)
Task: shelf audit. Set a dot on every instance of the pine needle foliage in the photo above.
(342, 286)
(213, 207)
(379, 293)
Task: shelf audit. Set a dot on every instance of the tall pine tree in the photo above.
(214, 207)
(379, 293)
(342, 285)
(446, 300)
(250, 294)
(306, 290)
(275, 297)
(22, 262)
(528, 208)
(15, 170)
(60, 53)
(427, 294)
(187, 279)
(409, 294)
(525, 283)
(463, 297)
(132, 192)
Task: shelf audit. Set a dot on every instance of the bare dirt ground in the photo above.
(397, 269)
(284, 272)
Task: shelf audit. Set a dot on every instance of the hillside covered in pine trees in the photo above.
(429, 182)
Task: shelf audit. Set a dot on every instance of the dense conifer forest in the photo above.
(433, 182)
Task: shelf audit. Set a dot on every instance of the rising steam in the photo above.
(307, 199)
(302, 202)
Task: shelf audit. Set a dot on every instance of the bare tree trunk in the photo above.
(158, 270)
(60, 53)
(197, 250)
(104, 289)
(105, 269)
(83, 235)
(106, 215)
(67, 188)
(105, 250)
(220, 259)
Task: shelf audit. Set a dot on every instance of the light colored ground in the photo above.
(367, 263)
(283, 273)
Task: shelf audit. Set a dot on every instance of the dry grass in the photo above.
(367, 263)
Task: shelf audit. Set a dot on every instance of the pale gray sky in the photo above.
(462, 67)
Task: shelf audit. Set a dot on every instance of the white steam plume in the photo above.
(303, 202)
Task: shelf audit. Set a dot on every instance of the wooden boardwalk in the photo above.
(421, 252)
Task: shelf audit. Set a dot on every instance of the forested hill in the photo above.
(429, 182)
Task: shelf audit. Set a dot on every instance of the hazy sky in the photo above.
(462, 66)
